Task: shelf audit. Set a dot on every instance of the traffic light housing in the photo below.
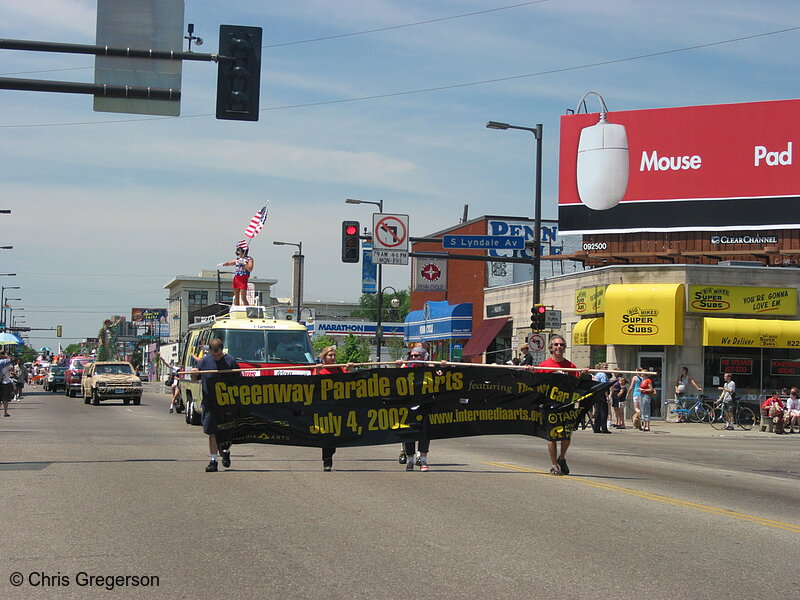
(538, 313)
(58, 330)
(239, 72)
(351, 242)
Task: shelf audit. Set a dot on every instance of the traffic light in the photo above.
(58, 330)
(351, 243)
(239, 72)
(537, 317)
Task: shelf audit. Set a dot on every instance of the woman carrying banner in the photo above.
(241, 275)
(418, 353)
(328, 357)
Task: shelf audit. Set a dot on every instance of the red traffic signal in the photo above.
(538, 317)
(351, 242)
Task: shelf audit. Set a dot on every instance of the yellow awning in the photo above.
(644, 314)
(588, 332)
(751, 333)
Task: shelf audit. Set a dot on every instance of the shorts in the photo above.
(240, 282)
(209, 427)
(7, 392)
(617, 402)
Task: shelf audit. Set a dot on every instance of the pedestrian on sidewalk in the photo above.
(6, 386)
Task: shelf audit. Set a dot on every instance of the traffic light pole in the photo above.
(111, 91)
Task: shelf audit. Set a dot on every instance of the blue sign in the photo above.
(484, 242)
(369, 271)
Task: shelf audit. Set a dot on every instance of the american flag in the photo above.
(256, 223)
(241, 244)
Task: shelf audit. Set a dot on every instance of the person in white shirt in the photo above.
(726, 397)
(792, 414)
(6, 385)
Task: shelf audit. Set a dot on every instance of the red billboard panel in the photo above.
(726, 166)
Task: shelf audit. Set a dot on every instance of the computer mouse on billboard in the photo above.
(602, 169)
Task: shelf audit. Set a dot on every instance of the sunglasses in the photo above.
(558, 344)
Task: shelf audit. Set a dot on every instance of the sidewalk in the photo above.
(659, 427)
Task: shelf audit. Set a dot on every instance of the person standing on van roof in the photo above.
(216, 361)
(244, 266)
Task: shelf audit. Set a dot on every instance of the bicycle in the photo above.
(697, 412)
(743, 416)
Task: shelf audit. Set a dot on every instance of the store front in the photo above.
(759, 354)
(444, 328)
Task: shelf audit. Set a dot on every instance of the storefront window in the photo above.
(754, 370)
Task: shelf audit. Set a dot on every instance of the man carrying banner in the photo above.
(210, 370)
(555, 363)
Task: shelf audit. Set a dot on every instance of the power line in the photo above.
(435, 88)
(333, 37)
(391, 27)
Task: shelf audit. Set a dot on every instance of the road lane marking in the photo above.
(658, 498)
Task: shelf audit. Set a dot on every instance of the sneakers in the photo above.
(403, 459)
(212, 467)
(562, 464)
(226, 458)
(555, 470)
(410, 465)
(171, 409)
(417, 459)
(423, 465)
(327, 466)
(729, 427)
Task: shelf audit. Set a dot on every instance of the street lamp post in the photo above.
(378, 332)
(297, 273)
(537, 207)
(3, 301)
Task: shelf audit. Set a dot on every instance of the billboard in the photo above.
(148, 314)
(695, 168)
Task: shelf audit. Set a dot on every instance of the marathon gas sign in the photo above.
(692, 168)
(358, 328)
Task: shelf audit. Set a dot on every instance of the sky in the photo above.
(366, 99)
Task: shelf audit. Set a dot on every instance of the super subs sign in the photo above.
(728, 166)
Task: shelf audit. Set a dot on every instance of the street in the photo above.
(96, 491)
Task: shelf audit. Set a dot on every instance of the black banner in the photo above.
(386, 406)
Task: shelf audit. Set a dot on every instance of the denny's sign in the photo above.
(741, 300)
(644, 314)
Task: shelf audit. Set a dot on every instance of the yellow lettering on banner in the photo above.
(559, 395)
(427, 384)
(222, 397)
(401, 386)
(233, 393)
(458, 380)
(244, 395)
(450, 381)
(256, 394)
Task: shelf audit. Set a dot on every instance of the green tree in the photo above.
(369, 307)
(396, 347)
(353, 350)
(321, 342)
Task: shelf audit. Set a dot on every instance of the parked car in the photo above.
(104, 380)
(73, 374)
(54, 380)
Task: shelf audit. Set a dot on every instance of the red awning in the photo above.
(484, 336)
